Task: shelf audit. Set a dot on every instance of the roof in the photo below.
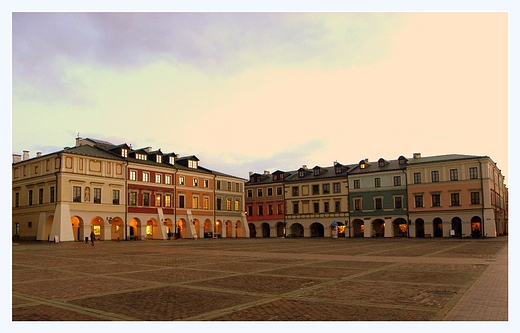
(441, 158)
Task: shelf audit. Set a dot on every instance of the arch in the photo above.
(317, 229)
(400, 227)
(229, 229)
(280, 229)
(196, 225)
(218, 228)
(266, 229)
(296, 230)
(170, 228)
(437, 227)
(419, 228)
(456, 226)
(252, 230)
(476, 226)
(117, 229)
(47, 227)
(358, 227)
(134, 229)
(378, 228)
(208, 229)
(97, 226)
(239, 232)
(150, 228)
(77, 225)
(341, 229)
(181, 228)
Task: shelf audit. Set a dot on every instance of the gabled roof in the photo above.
(441, 158)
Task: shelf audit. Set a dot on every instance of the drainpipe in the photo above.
(408, 221)
(175, 204)
(126, 200)
(349, 224)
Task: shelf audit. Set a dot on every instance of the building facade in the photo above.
(122, 193)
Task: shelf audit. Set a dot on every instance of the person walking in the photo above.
(92, 236)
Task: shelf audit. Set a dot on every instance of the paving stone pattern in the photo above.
(274, 279)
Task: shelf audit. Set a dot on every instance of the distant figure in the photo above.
(92, 236)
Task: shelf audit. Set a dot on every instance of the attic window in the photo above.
(317, 171)
(124, 152)
(337, 168)
(362, 165)
(381, 162)
(172, 160)
(301, 173)
(158, 158)
(140, 157)
(192, 164)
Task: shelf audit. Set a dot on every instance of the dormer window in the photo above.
(158, 158)
(381, 162)
(402, 160)
(124, 152)
(362, 165)
(172, 160)
(192, 164)
(140, 157)
(301, 173)
(317, 171)
(337, 168)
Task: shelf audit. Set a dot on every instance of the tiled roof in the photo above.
(373, 166)
(441, 158)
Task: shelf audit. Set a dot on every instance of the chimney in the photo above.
(416, 155)
(147, 149)
(266, 172)
(304, 166)
(79, 141)
(17, 158)
(25, 155)
(250, 173)
(39, 154)
(366, 160)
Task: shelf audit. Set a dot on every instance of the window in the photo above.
(195, 182)
(280, 209)
(436, 200)
(40, 196)
(31, 199)
(398, 202)
(181, 180)
(124, 152)
(260, 210)
(301, 173)
(229, 186)
(158, 158)
(29, 224)
(316, 207)
(336, 187)
(146, 177)
(237, 187)
(133, 198)
(133, 175)
(228, 204)
(17, 199)
(454, 174)
(357, 204)
(192, 164)
(326, 188)
(249, 193)
(205, 203)
(168, 180)
(206, 183)
(473, 173)
(146, 199)
(270, 210)
(316, 172)
(218, 184)
(76, 194)
(260, 192)
(195, 202)
(378, 203)
(167, 200)
(115, 197)
(315, 189)
(337, 168)
(181, 201)
(435, 176)
(97, 195)
(237, 205)
(250, 210)
(158, 200)
(377, 182)
(219, 204)
(337, 206)
(397, 180)
(295, 191)
(326, 207)
(279, 190)
(417, 178)
(158, 179)
(455, 199)
(295, 208)
(475, 198)
(270, 192)
(52, 194)
(357, 183)
(419, 200)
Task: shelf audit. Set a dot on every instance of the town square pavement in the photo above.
(262, 279)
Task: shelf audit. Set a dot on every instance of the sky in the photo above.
(255, 91)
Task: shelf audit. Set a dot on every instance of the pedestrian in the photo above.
(92, 237)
